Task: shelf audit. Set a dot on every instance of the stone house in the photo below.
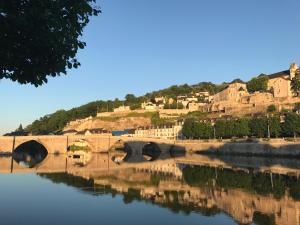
(233, 93)
(280, 83)
(160, 99)
(148, 106)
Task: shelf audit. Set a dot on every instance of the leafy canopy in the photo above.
(295, 84)
(259, 83)
(41, 38)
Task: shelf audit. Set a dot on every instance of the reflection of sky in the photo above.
(28, 199)
(141, 46)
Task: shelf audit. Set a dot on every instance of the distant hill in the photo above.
(55, 122)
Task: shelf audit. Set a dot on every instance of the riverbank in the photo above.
(247, 147)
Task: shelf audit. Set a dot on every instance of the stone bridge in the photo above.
(103, 143)
(98, 143)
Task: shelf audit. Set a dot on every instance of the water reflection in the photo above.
(256, 190)
(30, 154)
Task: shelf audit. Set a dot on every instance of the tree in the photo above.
(231, 128)
(259, 83)
(203, 130)
(274, 126)
(258, 127)
(295, 84)
(220, 127)
(271, 109)
(188, 128)
(20, 128)
(241, 127)
(291, 125)
(41, 38)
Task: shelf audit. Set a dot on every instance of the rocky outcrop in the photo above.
(110, 123)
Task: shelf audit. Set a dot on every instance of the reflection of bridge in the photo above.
(164, 164)
(99, 163)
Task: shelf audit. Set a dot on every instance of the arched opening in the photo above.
(79, 153)
(30, 154)
(151, 151)
(122, 153)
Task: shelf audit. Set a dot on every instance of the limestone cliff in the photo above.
(109, 124)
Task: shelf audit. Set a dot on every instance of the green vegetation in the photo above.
(259, 83)
(232, 128)
(185, 89)
(157, 121)
(292, 124)
(55, 122)
(260, 127)
(259, 183)
(296, 83)
(41, 38)
(195, 130)
(75, 148)
(271, 109)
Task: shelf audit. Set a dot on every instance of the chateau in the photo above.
(236, 98)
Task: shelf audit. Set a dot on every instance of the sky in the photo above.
(137, 46)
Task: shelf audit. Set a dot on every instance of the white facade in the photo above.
(122, 108)
(164, 132)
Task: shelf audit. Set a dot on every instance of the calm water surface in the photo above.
(116, 189)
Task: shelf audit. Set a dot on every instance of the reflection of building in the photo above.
(243, 206)
(165, 132)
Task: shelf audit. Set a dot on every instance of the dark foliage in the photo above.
(41, 38)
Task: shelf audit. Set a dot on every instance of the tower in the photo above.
(293, 69)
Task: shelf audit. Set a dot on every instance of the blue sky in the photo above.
(136, 46)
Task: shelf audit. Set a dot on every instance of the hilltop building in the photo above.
(233, 93)
(236, 98)
(280, 83)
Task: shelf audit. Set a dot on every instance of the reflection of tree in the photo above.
(68, 179)
(260, 183)
(172, 200)
(131, 195)
(263, 219)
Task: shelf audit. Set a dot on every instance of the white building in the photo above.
(164, 132)
(149, 106)
(122, 109)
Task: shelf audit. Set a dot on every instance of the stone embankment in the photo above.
(259, 147)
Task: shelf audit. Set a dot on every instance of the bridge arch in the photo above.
(151, 151)
(30, 153)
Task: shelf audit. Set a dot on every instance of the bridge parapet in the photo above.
(59, 144)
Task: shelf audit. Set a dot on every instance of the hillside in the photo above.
(110, 123)
(55, 122)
